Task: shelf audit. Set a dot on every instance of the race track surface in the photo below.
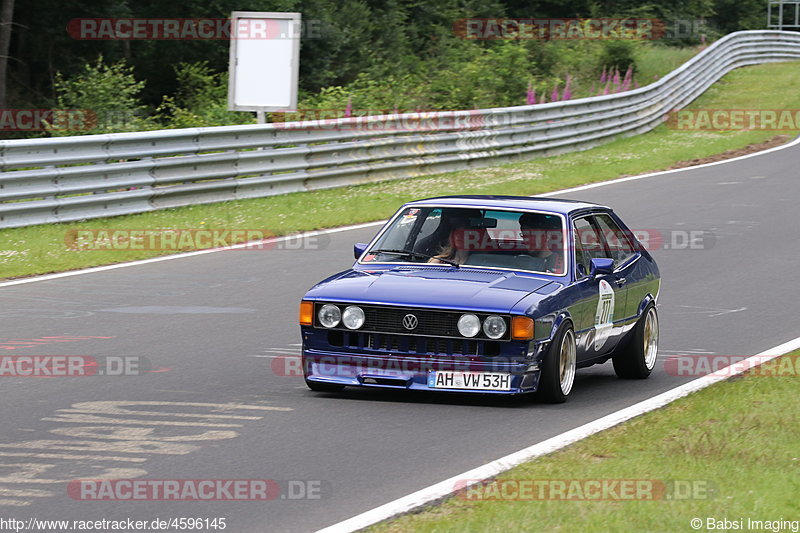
(212, 329)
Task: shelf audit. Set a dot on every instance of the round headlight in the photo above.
(329, 315)
(494, 327)
(353, 317)
(469, 325)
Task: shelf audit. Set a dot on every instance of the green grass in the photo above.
(655, 61)
(41, 249)
(736, 440)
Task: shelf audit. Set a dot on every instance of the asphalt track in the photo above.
(210, 327)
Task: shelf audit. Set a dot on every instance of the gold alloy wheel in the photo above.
(650, 338)
(566, 363)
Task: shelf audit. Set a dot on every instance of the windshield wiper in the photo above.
(411, 253)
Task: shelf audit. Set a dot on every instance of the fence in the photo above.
(73, 178)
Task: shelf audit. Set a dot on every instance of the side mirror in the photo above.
(359, 248)
(601, 265)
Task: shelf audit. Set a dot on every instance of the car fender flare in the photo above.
(643, 305)
(561, 317)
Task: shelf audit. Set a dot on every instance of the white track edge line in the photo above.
(188, 254)
(90, 270)
(449, 486)
(673, 171)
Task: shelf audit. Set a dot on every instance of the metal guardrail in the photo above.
(73, 178)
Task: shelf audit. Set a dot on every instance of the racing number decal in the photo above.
(604, 316)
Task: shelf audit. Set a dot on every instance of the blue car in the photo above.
(485, 294)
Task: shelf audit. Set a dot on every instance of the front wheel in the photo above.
(558, 366)
(637, 360)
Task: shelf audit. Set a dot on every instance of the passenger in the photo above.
(454, 248)
(452, 218)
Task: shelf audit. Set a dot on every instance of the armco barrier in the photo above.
(72, 178)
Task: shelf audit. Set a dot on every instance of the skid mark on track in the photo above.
(93, 437)
(15, 344)
(709, 311)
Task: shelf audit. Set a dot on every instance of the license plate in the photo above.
(438, 379)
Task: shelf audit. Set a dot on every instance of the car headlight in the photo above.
(329, 315)
(494, 327)
(469, 325)
(353, 317)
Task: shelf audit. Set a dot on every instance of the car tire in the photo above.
(324, 387)
(637, 358)
(558, 366)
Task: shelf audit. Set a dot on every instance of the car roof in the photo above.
(554, 205)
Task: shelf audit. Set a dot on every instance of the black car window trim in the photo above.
(576, 239)
(634, 250)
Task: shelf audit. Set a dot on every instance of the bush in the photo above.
(107, 97)
(496, 77)
(462, 78)
(201, 100)
(618, 54)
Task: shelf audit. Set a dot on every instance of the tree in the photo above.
(6, 20)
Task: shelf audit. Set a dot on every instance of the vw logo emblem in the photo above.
(410, 321)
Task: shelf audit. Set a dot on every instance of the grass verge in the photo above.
(734, 445)
(42, 249)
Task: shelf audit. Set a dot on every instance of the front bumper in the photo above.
(409, 372)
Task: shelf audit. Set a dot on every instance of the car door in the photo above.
(603, 297)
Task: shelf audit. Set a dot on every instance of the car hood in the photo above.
(437, 287)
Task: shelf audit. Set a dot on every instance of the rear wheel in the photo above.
(638, 358)
(324, 387)
(558, 366)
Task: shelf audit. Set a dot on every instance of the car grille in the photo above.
(412, 345)
(431, 323)
(390, 320)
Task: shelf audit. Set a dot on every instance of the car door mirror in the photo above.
(601, 265)
(358, 249)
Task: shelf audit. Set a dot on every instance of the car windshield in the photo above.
(517, 240)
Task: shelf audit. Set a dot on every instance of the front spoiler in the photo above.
(411, 373)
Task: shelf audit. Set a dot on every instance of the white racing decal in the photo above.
(604, 316)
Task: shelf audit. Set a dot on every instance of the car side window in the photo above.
(588, 246)
(618, 244)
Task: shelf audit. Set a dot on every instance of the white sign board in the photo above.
(264, 61)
